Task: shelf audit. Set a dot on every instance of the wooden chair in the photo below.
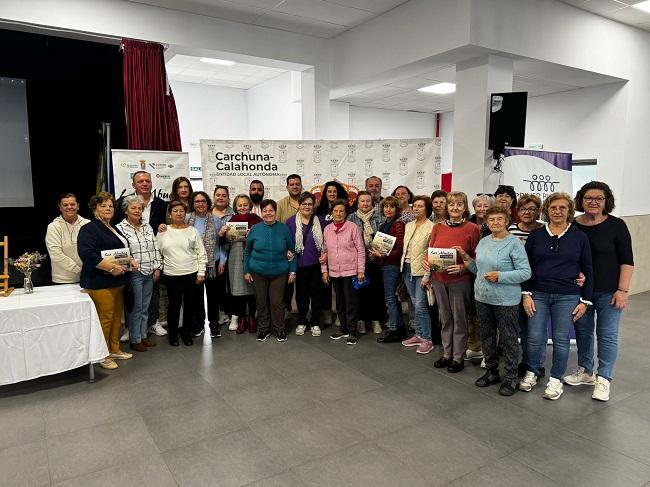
(5, 290)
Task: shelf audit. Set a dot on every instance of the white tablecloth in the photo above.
(52, 330)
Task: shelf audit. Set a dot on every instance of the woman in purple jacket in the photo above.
(344, 259)
(307, 229)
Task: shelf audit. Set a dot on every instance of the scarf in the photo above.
(367, 228)
(451, 224)
(250, 218)
(316, 231)
(209, 241)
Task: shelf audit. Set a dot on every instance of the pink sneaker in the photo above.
(414, 341)
(425, 347)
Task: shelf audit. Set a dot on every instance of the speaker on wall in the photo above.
(507, 120)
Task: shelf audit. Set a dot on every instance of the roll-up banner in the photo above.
(163, 166)
(235, 163)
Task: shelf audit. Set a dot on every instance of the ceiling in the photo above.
(318, 18)
(240, 75)
(620, 10)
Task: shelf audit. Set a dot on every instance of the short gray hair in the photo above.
(129, 200)
(484, 197)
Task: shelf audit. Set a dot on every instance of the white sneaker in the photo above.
(234, 320)
(553, 389)
(361, 327)
(300, 330)
(376, 327)
(471, 354)
(125, 336)
(315, 331)
(157, 329)
(483, 364)
(528, 382)
(579, 377)
(601, 389)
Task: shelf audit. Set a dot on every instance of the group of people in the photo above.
(510, 274)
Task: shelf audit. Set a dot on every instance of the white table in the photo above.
(50, 331)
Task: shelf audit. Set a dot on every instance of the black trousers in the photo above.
(372, 305)
(181, 290)
(347, 304)
(244, 305)
(309, 288)
(213, 287)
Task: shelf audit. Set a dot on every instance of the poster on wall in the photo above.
(535, 172)
(235, 163)
(163, 166)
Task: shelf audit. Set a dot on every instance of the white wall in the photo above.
(374, 123)
(338, 127)
(271, 112)
(209, 112)
(447, 142)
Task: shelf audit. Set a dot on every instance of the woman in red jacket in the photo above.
(390, 268)
(344, 258)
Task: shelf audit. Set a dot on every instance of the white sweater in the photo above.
(61, 242)
(183, 251)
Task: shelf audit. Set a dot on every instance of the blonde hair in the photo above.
(457, 196)
(554, 197)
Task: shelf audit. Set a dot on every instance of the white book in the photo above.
(237, 229)
(441, 259)
(383, 243)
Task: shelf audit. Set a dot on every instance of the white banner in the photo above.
(163, 166)
(235, 163)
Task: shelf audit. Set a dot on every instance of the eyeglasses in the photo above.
(534, 209)
(598, 199)
(555, 244)
(199, 201)
(306, 204)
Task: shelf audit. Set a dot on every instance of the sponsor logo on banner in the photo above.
(233, 163)
(537, 172)
(163, 166)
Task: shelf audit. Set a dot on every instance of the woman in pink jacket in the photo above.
(343, 259)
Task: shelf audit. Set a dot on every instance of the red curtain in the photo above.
(151, 118)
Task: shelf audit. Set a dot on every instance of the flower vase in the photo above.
(28, 285)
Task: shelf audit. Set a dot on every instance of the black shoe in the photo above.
(188, 341)
(282, 336)
(487, 379)
(174, 342)
(198, 333)
(215, 332)
(352, 340)
(455, 366)
(263, 335)
(506, 389)
(442, 362)
(337, 335)
(392, 336)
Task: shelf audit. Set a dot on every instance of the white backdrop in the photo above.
(235, 163)
(163, 166)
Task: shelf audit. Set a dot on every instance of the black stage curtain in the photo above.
(72, 87)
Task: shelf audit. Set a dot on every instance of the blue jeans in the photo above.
(606, 327)
(559, 307)
(141, 287)
(391, 278)
(419, 298)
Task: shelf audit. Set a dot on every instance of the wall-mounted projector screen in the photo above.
(15, 162)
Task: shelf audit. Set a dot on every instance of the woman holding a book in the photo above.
(371, 307)
(501, 265)
(451, 282)
(101, 276)
(387, 252)
(242, 292)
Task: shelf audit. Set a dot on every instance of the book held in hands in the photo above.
(383, 243)
(441, 259)
(119, 256)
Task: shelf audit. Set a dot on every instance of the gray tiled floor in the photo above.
(314, 412)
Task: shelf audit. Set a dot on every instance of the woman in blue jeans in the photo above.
(144, 249)
(613, 263)
(557, 253)
(416, 240)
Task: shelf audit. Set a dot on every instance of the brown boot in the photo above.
(241, 325)
(138, 347)
(147, 342)
(252, 324)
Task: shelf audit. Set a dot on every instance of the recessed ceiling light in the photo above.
(439, 89)
(645, 6)
(211, 60)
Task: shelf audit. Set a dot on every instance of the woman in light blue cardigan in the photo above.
(501, 265)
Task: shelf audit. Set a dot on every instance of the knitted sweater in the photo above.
(266, 250)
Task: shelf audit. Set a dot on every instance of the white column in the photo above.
(475, 81)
